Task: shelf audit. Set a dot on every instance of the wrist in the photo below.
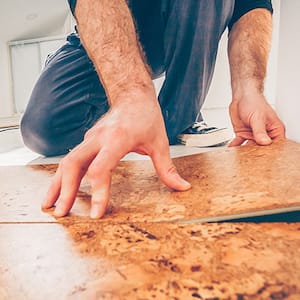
(246, 89)
(130, 83)
(137, 92)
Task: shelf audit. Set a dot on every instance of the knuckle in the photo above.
(98, 199)
(98, 171)
(87, 134)
(72, 163)
(64, 163)
(94, 171)
(68, 161)
(172, 169)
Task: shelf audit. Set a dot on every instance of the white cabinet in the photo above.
(27, 61)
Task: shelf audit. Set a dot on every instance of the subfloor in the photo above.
(155, 243)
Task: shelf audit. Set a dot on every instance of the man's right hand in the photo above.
(134, 122)
(131, 125)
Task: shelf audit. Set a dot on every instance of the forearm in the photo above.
(108, 34)
(248, 51)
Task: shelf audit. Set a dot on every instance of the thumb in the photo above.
(261, 137)
(167, 172)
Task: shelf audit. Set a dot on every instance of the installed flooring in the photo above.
(155, 243)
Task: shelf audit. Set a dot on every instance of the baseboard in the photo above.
(8, 122)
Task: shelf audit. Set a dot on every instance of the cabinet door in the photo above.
(27, 61)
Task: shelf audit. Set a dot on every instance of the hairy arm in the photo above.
(134, 121)
(107, 31)
(248, 51)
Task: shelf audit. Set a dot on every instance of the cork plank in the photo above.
(235, 182)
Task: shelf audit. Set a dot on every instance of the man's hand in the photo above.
(129, 126)
(254, 119)
(248, 49)
(134, 122)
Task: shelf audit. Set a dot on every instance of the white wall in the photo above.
(23, 64)
(288, 83)
(5, 90)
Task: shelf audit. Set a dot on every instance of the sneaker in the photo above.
(200, 135)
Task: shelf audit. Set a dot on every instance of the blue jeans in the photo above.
(180, 40)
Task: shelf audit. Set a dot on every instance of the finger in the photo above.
(166, 170)
(237, 141)
(53, 191)
(73, 168)
(260, 134)
(100, 174)
(69, 186)
(278, 131)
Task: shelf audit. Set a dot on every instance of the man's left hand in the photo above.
(254, 119)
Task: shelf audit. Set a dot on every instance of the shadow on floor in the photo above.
(283, 217)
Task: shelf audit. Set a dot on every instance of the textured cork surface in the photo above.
(235, 181)
(152, 243)
(150, 261)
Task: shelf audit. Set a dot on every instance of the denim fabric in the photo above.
(180, 39)
(72, 4)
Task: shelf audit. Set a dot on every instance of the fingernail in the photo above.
(185, 184)
(59, 210)
(265, 139)
(44, 202)
(95, 211)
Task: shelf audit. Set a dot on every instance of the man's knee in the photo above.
(39, 137)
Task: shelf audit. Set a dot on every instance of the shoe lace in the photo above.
(199, 126)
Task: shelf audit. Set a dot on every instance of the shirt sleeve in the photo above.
(241, 7)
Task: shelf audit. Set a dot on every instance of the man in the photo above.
(96, 93)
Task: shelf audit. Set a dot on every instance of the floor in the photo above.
(13, 152)
(154, 243)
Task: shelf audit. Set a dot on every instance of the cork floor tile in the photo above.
(237, 181)
(150, 261)
(231, 183)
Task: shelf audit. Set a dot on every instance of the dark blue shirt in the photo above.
(241, 7)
